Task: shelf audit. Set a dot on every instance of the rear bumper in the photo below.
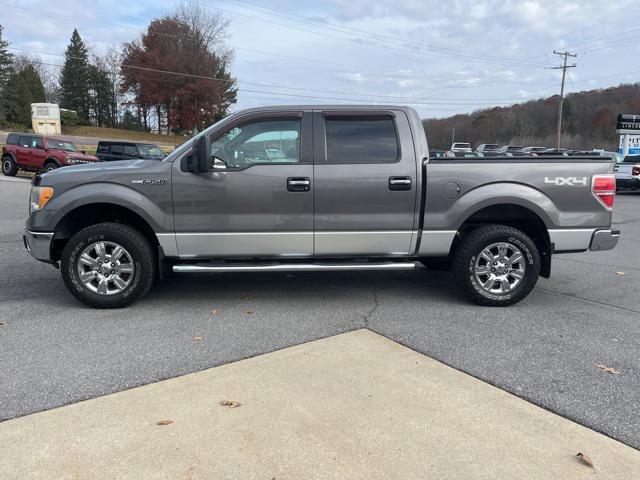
(38, 244)
(604, 240)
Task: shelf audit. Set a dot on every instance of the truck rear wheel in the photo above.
(108, 265)
(9, 168)
(496, 265)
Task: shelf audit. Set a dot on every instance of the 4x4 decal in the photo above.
(568, 181)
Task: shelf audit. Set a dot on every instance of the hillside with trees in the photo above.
(589, 121)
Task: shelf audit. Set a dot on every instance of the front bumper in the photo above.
(604, 240)
(38, 244)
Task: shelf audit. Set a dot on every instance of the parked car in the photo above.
(34, 153)
(110, 151)
(356, 191)
(627, 173)
(461, 147)
(552, 152)
(512, 149)
(534, 149)
(488, 148)
(468, 154)
(615, 156)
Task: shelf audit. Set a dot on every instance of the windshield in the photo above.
(61, 145)
(150, 151)
(632, 159)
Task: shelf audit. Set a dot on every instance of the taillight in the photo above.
(604, 188)
(635, 170)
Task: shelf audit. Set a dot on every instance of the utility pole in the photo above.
(564, 67)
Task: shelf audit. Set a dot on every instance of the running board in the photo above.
(291, 267)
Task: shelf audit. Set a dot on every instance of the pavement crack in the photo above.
(376, 304)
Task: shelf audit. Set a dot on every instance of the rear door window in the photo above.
(361, 139)
(117, 149)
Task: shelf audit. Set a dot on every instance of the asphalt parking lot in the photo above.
(54, 351)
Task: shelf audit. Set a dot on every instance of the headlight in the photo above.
(73, 161)
(39, 198)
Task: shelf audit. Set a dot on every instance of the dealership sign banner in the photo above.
(634, 144)
(628, 124)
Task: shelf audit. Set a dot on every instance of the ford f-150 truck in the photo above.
(318, 188)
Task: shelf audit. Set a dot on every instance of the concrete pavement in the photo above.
(355, 406)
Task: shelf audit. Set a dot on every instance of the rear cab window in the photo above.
(361, 139)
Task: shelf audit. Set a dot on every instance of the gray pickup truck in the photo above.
(306, 188)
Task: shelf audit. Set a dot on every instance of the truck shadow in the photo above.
(307, 286)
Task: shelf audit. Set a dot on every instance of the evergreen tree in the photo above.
(6, 67)
(130, 121)
(75, 78)
(102, 95)
(23, 88)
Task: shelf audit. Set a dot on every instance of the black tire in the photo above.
(50, 165)
(135, 245)
(467, 257)
(9, 168)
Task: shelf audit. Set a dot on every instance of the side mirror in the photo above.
(202, 151)
(198, 160)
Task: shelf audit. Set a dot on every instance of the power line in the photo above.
(453, 101)
(353, 100)
(374, 35)
(143, 31)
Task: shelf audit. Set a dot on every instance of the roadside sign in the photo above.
(634, 144)
(628, 124)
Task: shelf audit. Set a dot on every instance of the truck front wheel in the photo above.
(108, 265)
(9, 168)
(496, 265)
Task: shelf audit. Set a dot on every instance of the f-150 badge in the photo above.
(568, 181)
(149, 181)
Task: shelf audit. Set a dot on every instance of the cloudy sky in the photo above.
(441, 57)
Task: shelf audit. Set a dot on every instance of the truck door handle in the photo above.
(399, 183)
(298, 184)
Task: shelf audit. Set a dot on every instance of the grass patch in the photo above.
(117, 134)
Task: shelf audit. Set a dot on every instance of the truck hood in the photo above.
(82, 156)
(121, 171)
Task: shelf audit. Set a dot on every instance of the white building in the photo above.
(45, 118)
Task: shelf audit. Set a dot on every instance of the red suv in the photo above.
(36, 153)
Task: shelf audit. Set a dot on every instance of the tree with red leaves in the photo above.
(177, 72)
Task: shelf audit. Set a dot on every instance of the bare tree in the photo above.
(208, 27)
(110, 63)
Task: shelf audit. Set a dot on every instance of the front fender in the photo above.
(100, 192)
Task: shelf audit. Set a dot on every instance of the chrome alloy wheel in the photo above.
(105, 268)
(499, 268)
(6, 166)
